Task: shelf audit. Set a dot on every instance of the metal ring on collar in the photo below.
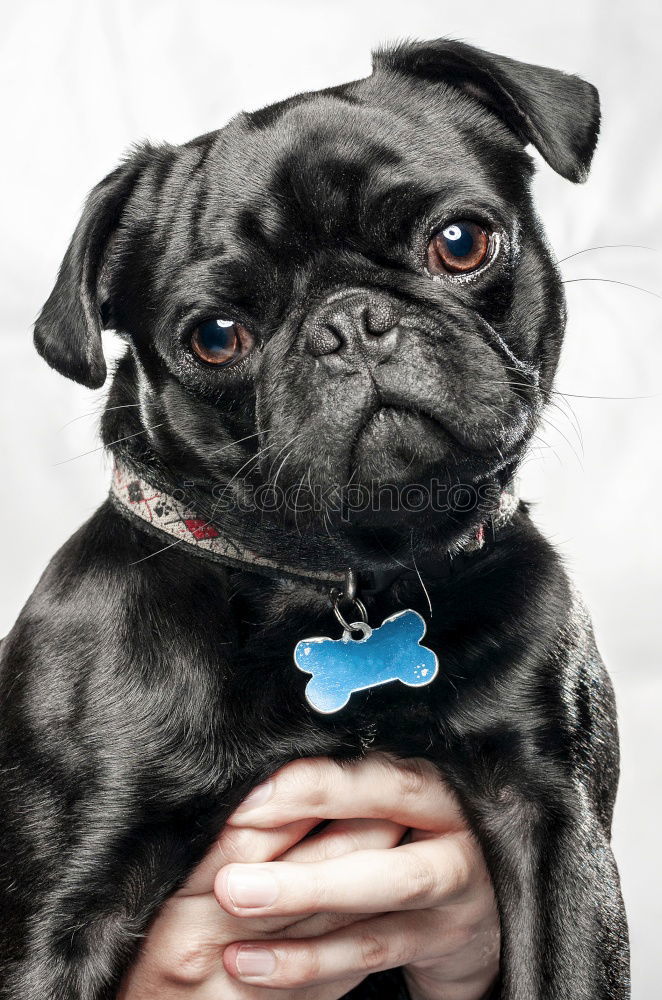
(361, 627)
(358, 604)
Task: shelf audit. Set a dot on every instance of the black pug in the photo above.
(339, 297)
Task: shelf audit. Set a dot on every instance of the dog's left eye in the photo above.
(458, 248)
(221, 342)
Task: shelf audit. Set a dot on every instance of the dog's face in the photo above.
(350, 286)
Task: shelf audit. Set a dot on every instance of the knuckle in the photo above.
(307, 776)
(301, 966)
(192, 963)
(338, 844)
(234, 843)
(412, 946)
(317, 889)
(315, 781)
(374, 952)
(460, 936)
(413, 777)
(457, 876)
(418, 884)
(470, 934)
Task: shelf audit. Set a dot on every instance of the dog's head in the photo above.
(348, 286)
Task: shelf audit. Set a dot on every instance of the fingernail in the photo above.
(255, 798)
(255, 962)
(251, 887)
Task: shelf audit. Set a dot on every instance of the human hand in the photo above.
(426, 905)
(193, 948)
(182, 956)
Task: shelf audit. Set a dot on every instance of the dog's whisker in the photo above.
(532, 382)
(418, 574)
(390, 554)
(511, 385)
(280, 468)
(296, 502)
(576, 395)
(351, 476)
(569, 395)
(572, 416)
(102, 447)
(546, 419)
(548, 447)
(491, 409)
(226, 447)
(606, 246)
(254, 458)
(99, 409)
(494, 408)
(280, 451)
(567, 413)
(614, 281)
(158, 552)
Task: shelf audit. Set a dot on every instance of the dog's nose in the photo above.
(360, 323)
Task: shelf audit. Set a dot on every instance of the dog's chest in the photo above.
(271, 693)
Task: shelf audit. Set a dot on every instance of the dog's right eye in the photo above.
(221, 342)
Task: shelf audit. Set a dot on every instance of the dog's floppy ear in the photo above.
(558, 113)
(67, 333)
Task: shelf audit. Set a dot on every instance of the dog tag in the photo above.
(391, 652)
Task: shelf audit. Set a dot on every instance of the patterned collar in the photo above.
(164, 515)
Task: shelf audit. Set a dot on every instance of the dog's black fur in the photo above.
(141, 700)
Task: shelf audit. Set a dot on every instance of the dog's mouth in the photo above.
(401, 442)
(394, 439)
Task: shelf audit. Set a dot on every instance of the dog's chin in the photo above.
(400, 446)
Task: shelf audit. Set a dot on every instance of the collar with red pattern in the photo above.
(177, 524)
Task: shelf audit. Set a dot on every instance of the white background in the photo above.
(81, 80)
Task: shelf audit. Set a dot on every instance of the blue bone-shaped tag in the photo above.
(342, 666)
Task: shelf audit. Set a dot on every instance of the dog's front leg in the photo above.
(91, 922)
(563, 927)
